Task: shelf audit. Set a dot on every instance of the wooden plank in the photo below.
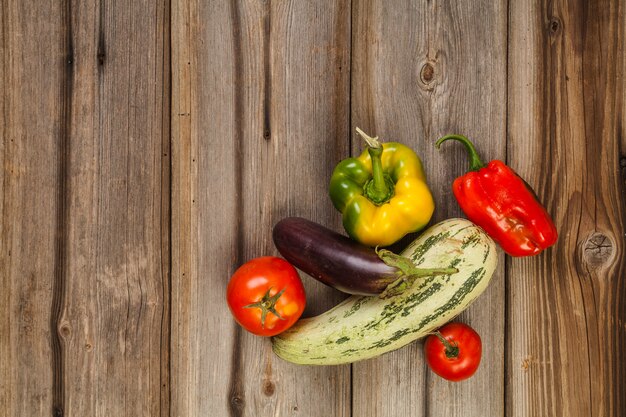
(117, 268)
(260, 117)
(421, 70)
(32, 70)
(202, 330)
(566, 309)
(83, 230)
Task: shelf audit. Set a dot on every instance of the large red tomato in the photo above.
(266, 296)
(457, 357)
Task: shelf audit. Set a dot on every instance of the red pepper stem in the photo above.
(380, 190)
(452, 350)
(474, 159)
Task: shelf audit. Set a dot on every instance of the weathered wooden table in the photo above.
(149, 146)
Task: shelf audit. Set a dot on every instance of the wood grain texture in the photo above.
(100, 198)
(567, 309)
(116, 283)
(202, 330)
(419, 71)
(260, 118)
(85, 218)
(33, 76)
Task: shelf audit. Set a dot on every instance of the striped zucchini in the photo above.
(364, 327)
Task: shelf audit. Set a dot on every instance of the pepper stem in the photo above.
(452, 350)
(474, 159)
(380, 188)
(408, 272)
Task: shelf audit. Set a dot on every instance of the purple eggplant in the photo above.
(340, 262)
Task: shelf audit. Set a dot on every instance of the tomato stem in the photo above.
(267, 304)
(452, 349)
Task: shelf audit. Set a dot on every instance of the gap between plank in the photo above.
(236, 399)
(505, 333)
(62, 211)
(350, 154)
(165, 409)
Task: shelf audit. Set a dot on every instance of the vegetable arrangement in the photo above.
(365, 327)
(397, 298)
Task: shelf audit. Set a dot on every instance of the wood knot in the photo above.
(88, 347)
(428, 76)
(554, 26)
(237, 403)
(598, 249)
(65, 330)
(25, 309)
(526, 363)
(268, 388)
(427, 73)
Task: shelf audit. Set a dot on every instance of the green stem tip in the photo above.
(452, 349)
(474, 159)
(408, 268)
(407, 272)
(372, 142)
(267, 304)
(380, 188)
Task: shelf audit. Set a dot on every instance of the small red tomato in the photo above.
(454, 351)
(266, 296)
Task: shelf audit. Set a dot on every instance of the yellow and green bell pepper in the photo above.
(382, 193)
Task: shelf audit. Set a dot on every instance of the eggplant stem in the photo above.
(408, 272)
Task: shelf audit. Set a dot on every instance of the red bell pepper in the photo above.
(494, 197)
